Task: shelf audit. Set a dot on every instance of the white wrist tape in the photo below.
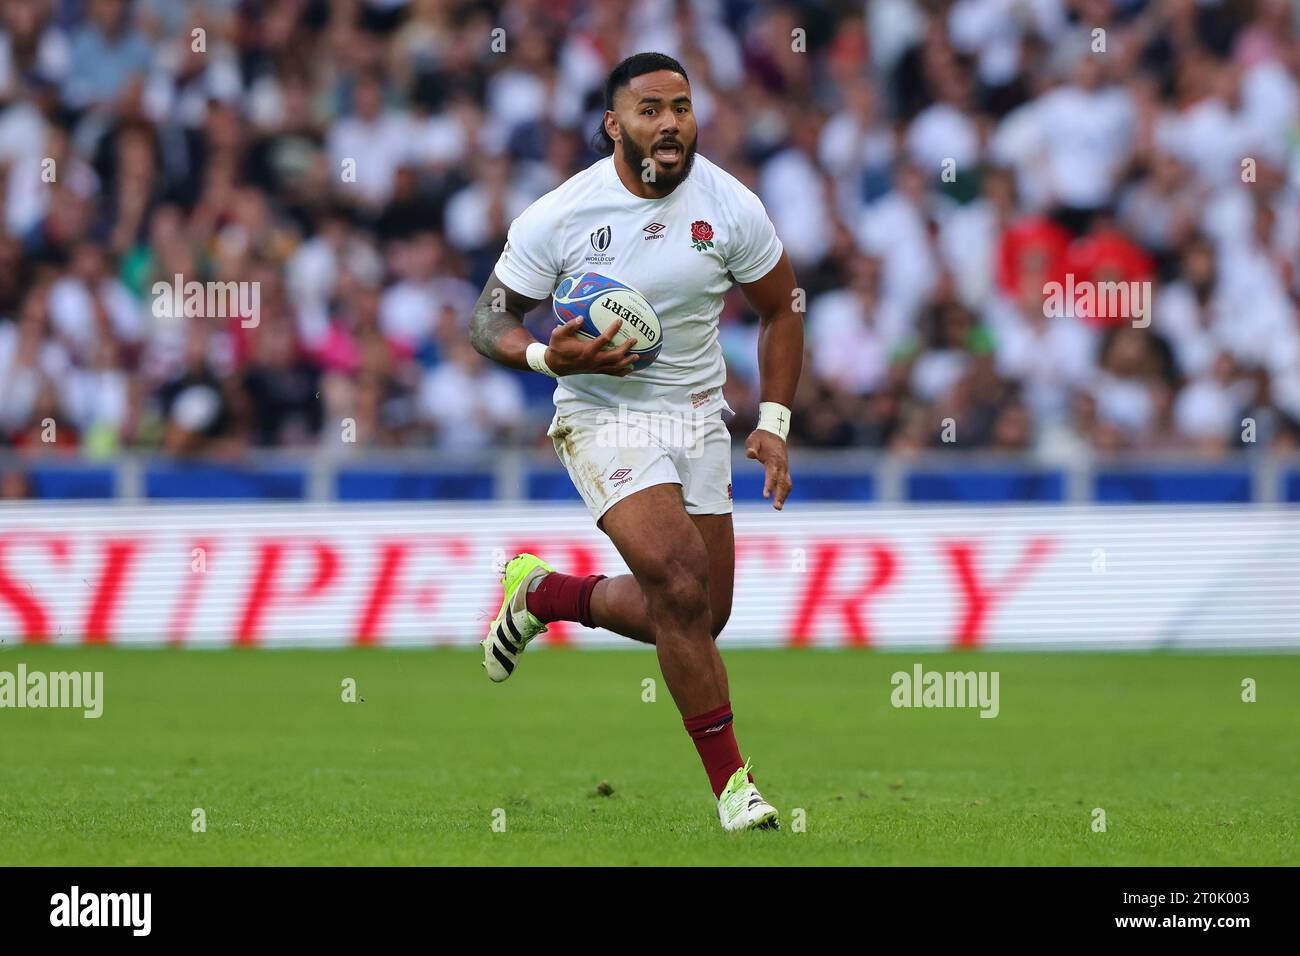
(775, 418)
(535, 355)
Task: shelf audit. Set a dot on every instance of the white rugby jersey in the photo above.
(681, 252)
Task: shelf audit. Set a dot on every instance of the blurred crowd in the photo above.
(932, 166)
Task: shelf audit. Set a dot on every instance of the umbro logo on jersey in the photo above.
(620, 474)
(655, 230)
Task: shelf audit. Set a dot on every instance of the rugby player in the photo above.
(678, 229)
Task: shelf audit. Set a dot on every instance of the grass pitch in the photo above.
(582, 771)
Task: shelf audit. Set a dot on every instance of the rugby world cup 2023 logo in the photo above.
(600, 240)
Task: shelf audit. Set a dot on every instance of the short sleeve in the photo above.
(755, 248)
(527, 264)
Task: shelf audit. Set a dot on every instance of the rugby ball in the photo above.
(599, 300)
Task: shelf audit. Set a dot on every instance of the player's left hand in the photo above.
(767, 448)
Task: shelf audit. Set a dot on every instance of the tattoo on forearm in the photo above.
(497, 311)
(487, 327)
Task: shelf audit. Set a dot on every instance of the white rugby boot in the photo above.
(742, 807)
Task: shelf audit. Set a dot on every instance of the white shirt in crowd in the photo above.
(1208, 138)
(1209, 408)
(468, 225)
(846, 149)
(373, 150)
(72, 313)
(794, 194)
(409, 309)
(851, 340)
(1087, 136)
(942, 137)
(469, 406)
(1051, 358)
(1126, 403)
(968, 244)
(22, 376)
(893, 229)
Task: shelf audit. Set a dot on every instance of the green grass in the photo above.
(287, 773)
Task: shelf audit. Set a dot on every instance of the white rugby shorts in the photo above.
(612, 453)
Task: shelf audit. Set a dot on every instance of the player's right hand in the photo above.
(769, 450)
(570, 354)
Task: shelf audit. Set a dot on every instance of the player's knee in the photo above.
(680, 588)
(684, 594)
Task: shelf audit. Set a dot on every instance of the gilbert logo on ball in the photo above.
(599, 301)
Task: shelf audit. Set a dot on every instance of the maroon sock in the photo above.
(715, 739)
(563, 597)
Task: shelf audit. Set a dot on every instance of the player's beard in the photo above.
(664, 181)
